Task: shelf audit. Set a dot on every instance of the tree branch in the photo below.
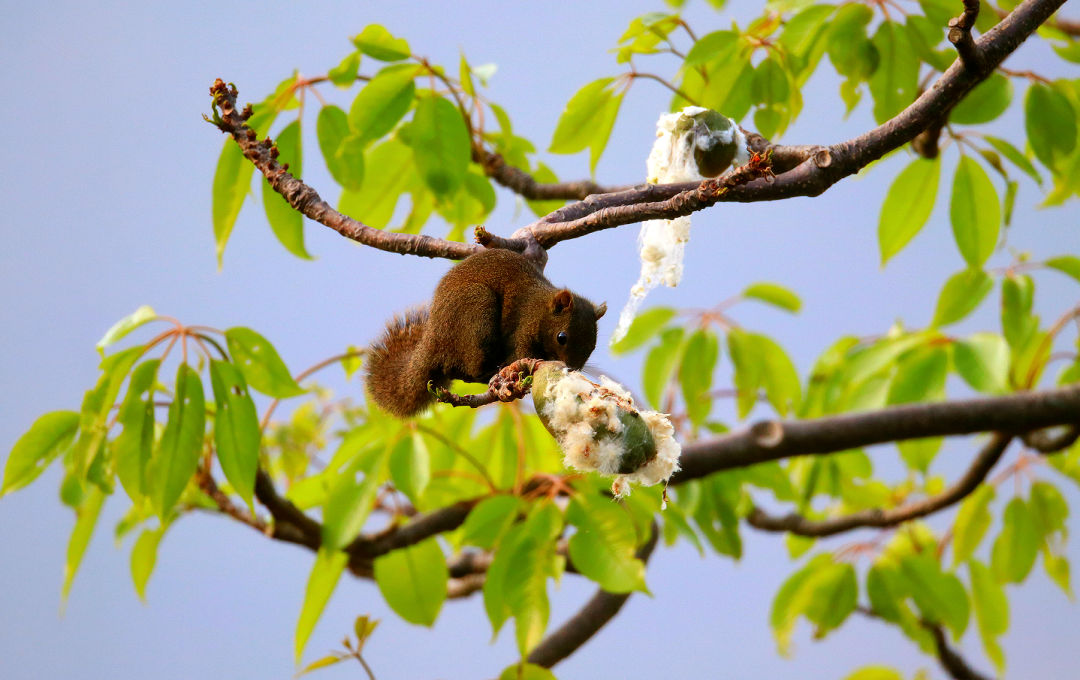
(773, 439)
(951, 661)
(878, 517)
(960, 35)
(589, 620)
(827, 165)
(307, 201)
(1048, 442)
(526, 186)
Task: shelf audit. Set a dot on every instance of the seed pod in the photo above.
(599, 428)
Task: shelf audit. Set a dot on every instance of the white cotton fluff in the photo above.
(575, 408)
(662, 243)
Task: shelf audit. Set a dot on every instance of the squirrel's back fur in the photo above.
(396, 385)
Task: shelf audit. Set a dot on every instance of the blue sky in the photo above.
(107, 183)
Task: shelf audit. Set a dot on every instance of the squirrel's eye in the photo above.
(561, 337)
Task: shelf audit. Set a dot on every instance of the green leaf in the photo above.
(410, 466)
(972, 522)
(413, 581)
(982, 360)
(774, 369)
(287, 224)
(134, 447)
(376, 201)
(1016, 546)
(791, 600)
(489, 521)
(991, 610)
(328, 660)
(86, 516)
(350, 499)
(344, 74)
(583, 118)
(124, 326)
(715, 45)
(920, 376)
(850, 52)
(143, 558)
(382, 102)
(526, 671)
(260, 364)
(544, 175)
(660, 363)
(941, 597)
(237, 434)
(875, 673)
(48, 437)
(960, 296)
(232, 178)
(1015, 156)
(1066, 264)
(747, 364)
(770, 84)
(602, 549)
(696, 373)
(1017, 323)
(834, 592)
(907, 206)
(1050, 122)
(605, 123)
(895, 83)
(646, 325)
(377, 42)
(1048, 511)
(975, 212)
(440, 143)
(324, 577)
(344, 157)
(177, 455)
(1057, 568)
(988, 100)
(774, 294)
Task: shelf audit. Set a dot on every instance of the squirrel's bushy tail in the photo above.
(396, 385)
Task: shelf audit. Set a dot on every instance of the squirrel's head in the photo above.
(570, 332)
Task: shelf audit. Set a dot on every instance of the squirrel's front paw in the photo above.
(513, 382)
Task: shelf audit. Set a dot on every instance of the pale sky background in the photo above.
(107, 207)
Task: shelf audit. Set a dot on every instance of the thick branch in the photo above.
(825, 167)
(308, 202)
(588, 621)
(772, 439)
(951, 661)
(290, 523)
(1044, 441)
(878, 517)
(401, 536)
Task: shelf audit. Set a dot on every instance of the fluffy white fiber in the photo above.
(662, 243)
(575, 408)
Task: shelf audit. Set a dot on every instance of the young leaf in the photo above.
(1016, 546)
(1013, 154)
(975, 212)
(124, 326)
(982, 360)
(715, 45)
(344, 159)
(774, 294)
(377, 42)
(907, 206)
(382, 102)
(920, 376)
(988, 100)
(440, 143)
(991, 610)
(971, 523)
(236, 428)
(602, 549)
(646, 325)
(344, 74)
(135, 445)
(377, 199)
(489, 521)
(875, 673)
(324, 577)
(178, 451)
(895, 83)
(288, 224)
(605, 122)
(48, 437)
(961, 294)
(413, 581)
(350, 499)
(1017, 323)
(1050, 122)
(232, 178)
(526, 671)
(1066, 264)
(659, 365)
(696, 373)
(583, 118)
(834, 592)
(143, 558)
(260, 364)
(410, 467)
(86, 516)
(746, 361)
(940, 596)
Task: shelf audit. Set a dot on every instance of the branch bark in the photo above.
(878, 517)
(954, 664)
(828, 165)
(526, 186)
(589, 620)
(773, 440)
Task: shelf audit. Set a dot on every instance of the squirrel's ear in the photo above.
(563, 300)
(600, 309)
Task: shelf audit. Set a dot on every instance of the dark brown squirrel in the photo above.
(490, 310)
